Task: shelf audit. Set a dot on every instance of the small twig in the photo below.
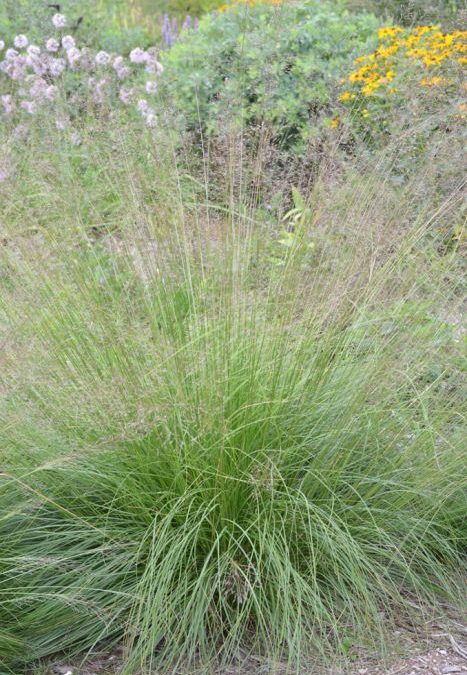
(457, 648)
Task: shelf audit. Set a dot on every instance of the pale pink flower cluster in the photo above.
(21, 42)
(147, 112)
(99, 89)
(68, 42)
(56, 66)
(125, 95)
(8, 104)
(52, 45)
(33, 51)
(34, 72)
(59, 20)
(73, 55)
(151, 87)
(29, 106)
(122, 71)
(102, 58)
(138, 55)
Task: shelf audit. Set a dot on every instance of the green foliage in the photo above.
(178, 8)
(243, 67)
(103, 24)
(409, 12)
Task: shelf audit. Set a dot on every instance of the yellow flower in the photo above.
(372, 86)
(416, 53)
(335, 122)
(425, 45)
(384, 52)
(365, 112)
(421, 30)
(389, 31)
(432, 82)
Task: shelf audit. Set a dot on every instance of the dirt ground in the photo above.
(437, 653)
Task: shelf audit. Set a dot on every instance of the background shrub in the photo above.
(243, 66)
(178, 7)
(409, 12)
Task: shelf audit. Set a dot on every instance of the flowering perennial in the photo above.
(33, 77)
(423, 48)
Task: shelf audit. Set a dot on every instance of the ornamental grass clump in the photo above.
(205, 454)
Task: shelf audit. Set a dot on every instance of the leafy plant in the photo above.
(242, 67)
(423, 59)
(102, 24)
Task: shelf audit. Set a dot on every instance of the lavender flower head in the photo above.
(11, 54)
(74, 56)
(21, 42)
(37, 64)
(138, 55)
(51, 92)
(59, 20)
(52, 45)
(125, 95)
(56, 67)
(33, 50)
(118, 62)
(151, 87)
(142, 106)
(121, 70)
(29, 106)
(153, 66)
(38, 87)
(102, 58)
(8, 104)
(166, 29)
(68, 42)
